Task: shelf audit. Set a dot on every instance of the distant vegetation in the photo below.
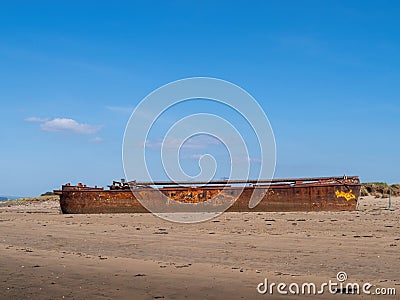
(30, 199)
(379, 189)
(48, 194)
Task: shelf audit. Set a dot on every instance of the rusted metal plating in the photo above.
(293, 194)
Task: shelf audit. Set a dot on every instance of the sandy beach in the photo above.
(47, 255)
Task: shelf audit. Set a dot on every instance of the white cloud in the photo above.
(96, 140)
(35, 119)
(64, 125)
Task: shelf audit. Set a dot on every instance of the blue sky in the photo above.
(326, 73)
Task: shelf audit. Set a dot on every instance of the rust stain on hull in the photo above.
(310, 194)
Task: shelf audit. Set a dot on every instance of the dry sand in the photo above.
(48, 255)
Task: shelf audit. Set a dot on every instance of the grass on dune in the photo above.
(38, 198)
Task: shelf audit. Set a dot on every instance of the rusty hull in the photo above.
(304, 194)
